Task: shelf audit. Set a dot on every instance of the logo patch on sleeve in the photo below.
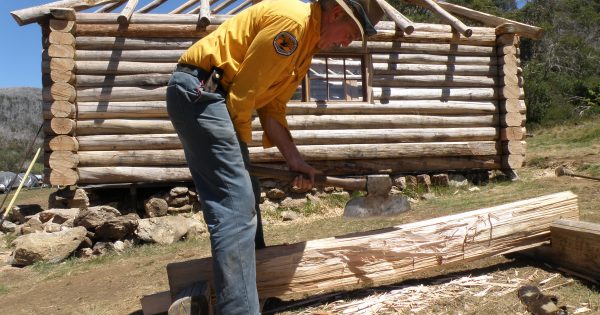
(285, 43)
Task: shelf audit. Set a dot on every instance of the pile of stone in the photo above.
(55, 234)
(179, 200)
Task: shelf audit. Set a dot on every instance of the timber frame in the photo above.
(437, 97)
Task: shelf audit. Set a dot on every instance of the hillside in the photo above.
(20, 118)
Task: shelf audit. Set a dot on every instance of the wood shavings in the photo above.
(581, 310)
(549, 279)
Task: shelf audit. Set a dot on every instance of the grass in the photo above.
(4, 289)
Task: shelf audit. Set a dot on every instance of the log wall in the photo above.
(436, 101)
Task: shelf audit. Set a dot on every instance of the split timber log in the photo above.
(58, 76)
(145, 30)
(61, 160)
(312, 152)
(425, 69)
(297, 122)
(60, 176)
(387, 256)
(112, 43)
(512, 106)
(433, 81)
(61, 143)
(65, 26)
(512, 120)
(60, 38)
(148, 18)
(157, 109)
(61, 51)
(454, 94)
(59, 92)
(301, 137)
(123, 174)
(513, 161)
(514, 147)
(122, 68)
(512, 133)
(431, 59)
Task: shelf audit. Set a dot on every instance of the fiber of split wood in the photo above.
(419, 299)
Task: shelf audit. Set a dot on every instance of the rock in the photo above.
(85, 252)
(291, 203)
(19, 214)
(424, 181)
(289, 215)
(51, 227)
(474, 189)
(299, 190)
(178, 191)
(59, 216)
(178, 202)
(193, 194)
(162, 230)
(196, 228)
(118, 246)
(184, 209)
(33, 225)
(267, 206)
(399, 182)
(155, 207)
(269, 183)
(395, 191)
(69, 223)
(49, 247)
(341, 194)
(479, 177)
(457, 180)
(428, 196)
(196, 206)
(275, 194)
(93, 217)
(117, 228)
(328, 189)
(411, 182)
(8, 227)
(87, 243)
(440, 180)
(79, 199)
(315, 200)
(263, 197)
(100, 248)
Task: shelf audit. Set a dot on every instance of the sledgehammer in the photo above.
(377, 202)
(563, 171)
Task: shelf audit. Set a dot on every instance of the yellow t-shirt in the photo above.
(264, 51)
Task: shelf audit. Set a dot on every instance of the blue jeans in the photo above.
(216, 157)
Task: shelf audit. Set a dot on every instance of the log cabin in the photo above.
(417, 97)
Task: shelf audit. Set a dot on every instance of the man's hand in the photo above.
(281, 138)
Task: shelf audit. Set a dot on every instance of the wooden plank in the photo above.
(386, 256)
(157, 303)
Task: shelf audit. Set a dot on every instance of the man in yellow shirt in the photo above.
(252, 62)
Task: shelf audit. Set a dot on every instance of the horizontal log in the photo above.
(432, 59)
(512, 106)
(67, 14)
(296, 122)
(58, 64)
(96, 110)
(390, 80)
(386, 256)
(123, 80)
(514, 147)
(314, 152)
(301, 137)
(148, 18)
(454, 94)
(58, 109)
(512, 120)
(511, 92)
(112, 43)
(59, 126)
(507, 39)
(435, 28)
(512, 133)
(32, 14)
(145, 30)
(513, 161)
(435, 49)
(122, 67)
(433, 37)
(60, 38)
(157, 109)
(61, 51)
(57, 25)
(131, 55)
(61, 143)
(60, 177)
(61, 160)
(122, 94)
(104, 175)
(59, 92)
(428, 69)
(58, 76)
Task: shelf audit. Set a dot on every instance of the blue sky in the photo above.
(20, 60)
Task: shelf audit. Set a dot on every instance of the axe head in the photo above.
(378, 201)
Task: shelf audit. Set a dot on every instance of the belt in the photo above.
(209, 80)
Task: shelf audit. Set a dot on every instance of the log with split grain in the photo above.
(387, 256)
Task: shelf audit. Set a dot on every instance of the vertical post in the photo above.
(59, 93)
(510, 104)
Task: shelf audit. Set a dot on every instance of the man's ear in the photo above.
(337, 12)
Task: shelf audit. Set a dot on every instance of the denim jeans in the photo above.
(216, 159)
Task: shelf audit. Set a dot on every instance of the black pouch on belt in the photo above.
(211, 84)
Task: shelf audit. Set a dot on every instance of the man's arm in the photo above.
(280, 137)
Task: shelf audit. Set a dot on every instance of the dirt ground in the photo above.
(115, 284)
